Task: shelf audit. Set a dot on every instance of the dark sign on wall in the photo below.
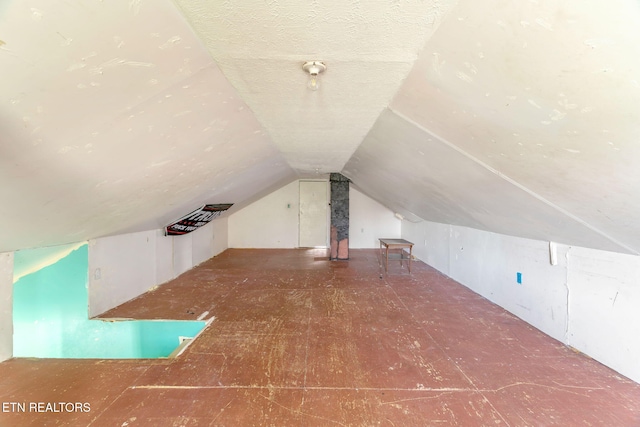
(196, 219)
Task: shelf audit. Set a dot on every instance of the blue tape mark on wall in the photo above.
(519, 277)
(50, 317)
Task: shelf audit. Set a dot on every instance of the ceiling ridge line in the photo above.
(516, 183)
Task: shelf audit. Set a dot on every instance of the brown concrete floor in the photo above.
(302, 341)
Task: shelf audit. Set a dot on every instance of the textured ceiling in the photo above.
(521, 118)
(368, 47)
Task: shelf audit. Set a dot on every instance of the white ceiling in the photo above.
(515, 117)
(369, 48)
(115, 118)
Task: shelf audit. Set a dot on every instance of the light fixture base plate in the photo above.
(314, 67)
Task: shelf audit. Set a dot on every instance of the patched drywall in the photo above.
(582, 297)
(6, 309)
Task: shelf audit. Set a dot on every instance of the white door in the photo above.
(314, 211)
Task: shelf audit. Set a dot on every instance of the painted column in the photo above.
(339, 217)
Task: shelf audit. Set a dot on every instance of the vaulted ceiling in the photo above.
(521, 118)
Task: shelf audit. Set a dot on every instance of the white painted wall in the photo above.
(369, 221)
(6, 305)
(209, 241)
(120, 268)
(182, 253)
(604, 319)
(431, 240)
(314, 214)
(488, 263)
(588, 300)
(124, 266)
(165, 269)
(272, 222)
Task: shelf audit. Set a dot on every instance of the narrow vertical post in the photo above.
(339, 217)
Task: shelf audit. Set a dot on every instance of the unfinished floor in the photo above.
(298, 340)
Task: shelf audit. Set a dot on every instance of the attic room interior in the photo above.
(496, 137)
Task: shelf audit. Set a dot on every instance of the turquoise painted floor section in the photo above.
(50, 314)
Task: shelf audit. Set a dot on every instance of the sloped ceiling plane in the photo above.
(521, 118)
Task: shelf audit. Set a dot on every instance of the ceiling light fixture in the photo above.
(314, 68)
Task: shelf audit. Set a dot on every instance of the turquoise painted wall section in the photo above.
(50, 313)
